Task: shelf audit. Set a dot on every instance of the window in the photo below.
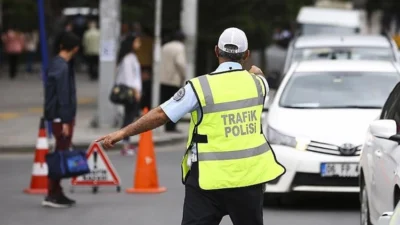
(312, 29)
(350, 53)
(338, 90)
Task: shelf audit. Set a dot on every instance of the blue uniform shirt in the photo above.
(175, 110)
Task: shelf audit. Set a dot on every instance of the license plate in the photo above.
(339, 169)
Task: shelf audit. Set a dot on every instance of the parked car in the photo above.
(370, 47)
(380, 162)
(317, 121)
(364, 47)
(319, 20)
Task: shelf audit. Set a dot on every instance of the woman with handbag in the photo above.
(129, 81)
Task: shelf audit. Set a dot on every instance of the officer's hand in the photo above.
(109, 140)
(254, 69)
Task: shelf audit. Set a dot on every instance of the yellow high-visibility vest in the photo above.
(232, 151)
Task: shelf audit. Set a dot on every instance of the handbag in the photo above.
(122, 95)
(67, 164)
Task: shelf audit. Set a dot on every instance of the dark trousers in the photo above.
(386, 21)
(207, 207)
(13, 65)
(145, 102)
(146, 87)
(63, 143)
(29, 61)
(93, 64)
(130, 113)
(167, 92)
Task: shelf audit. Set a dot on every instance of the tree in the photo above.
(256, 17)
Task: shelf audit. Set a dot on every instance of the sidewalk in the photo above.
(21, 109)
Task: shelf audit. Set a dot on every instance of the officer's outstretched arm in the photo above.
(151, 120)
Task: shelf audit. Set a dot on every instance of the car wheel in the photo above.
(365, 215)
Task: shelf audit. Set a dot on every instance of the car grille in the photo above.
(312, 179)
(329, 149)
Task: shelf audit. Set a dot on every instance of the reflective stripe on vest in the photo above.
(212, 108)
(209, 156)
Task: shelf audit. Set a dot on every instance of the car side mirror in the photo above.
(386, 129)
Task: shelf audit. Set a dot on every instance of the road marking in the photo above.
(13, 115)
(8, 115)
(82, 101)
(35, 110)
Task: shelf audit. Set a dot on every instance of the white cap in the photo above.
(233, 36)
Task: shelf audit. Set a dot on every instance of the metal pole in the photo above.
(109, 34)
(156, 55)
(44, 51)
(189, 27)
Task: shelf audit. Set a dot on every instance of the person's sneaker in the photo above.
(130, 152)
(55, 202)
(67, 200)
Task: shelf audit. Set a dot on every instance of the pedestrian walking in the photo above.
(31, 44)
(68, 27)
(91, 45)
(60, 107)
(129, 74)
(228, 159)
(14, 46)
(173, 71)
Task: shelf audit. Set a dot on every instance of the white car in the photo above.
(322, 20)
(317, 122)
(390, 218)
(380, 162)
(362, 47)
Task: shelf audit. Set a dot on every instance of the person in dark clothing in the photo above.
(60, 107)
(68, 27)
(370, 7)
(387, 17)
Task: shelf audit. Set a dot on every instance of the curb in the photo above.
(31, 149)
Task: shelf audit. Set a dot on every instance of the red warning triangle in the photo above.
(102, 172)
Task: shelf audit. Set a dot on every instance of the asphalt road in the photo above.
(109, 207)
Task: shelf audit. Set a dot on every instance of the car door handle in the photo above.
(378, 153)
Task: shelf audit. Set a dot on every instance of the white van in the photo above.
(316, 20)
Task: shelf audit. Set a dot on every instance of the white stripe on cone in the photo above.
(39, 169)
(42, 143)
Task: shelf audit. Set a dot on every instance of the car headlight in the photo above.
(277, 138)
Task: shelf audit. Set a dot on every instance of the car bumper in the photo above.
(303, 172)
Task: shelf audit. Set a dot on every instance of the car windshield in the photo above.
(313, 29)
(338, 90)
(360, 53)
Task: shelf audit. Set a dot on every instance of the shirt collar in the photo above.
(226, 66)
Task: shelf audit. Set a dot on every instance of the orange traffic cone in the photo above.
(146, 179)
(39, 169)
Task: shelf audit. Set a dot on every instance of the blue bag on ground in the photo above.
(67, 164)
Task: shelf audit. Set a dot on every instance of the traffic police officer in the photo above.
(228, 160)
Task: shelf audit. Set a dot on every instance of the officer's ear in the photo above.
(246, 55)
(216, 51)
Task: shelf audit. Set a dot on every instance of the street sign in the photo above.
(102, 172)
